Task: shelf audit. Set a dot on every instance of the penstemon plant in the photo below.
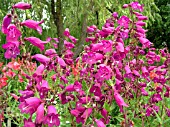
(119, 79)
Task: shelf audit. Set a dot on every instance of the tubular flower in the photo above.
(41, 58)
(22, 5)
(100, 123)
(119, 100)
(30, 105)
(12, 49)
(37, 42)
(33, 25)
(13, 33)
(40, 114)
(52, 117)
(5, 23)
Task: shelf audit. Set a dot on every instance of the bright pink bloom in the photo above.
(37, 42)
(67, 32)
(40, 114)
(120, 47)
(104, 73)
(119, 100)
(136, 6)
(30, 105)
(33, 25)
(22, 5)
(68, 45)
(41, 58)
(52, 117)
(73, 39)
(99, 123)
(115, 15)
(13, 33)
(140, 23)
(12, 49)
(5, 23)
(29, 123)
(125, 5)
(142, 17)
(124, 21)
(61, 62)
(43, 88)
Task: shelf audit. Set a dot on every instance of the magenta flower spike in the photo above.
(37, 42)
(52, 117)
(13, 33)
(40, 114)
(5, 23)
(33, 25)
(22, 5)
(99, 123)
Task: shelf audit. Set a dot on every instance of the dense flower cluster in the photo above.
(116, 69)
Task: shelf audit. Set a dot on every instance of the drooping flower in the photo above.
(51, 53)
(30, 105)
(22, 5)
(29, 123)
(40, 114)
(145, 72)
(119, 100)
(99, 123)
(43, 88)
(168, 112)
(120, 47)
(52, 117)
(68, 45)
(41, 58)
(37, 42)
(61, 62)
(25, 94)
(33, 25)
(73, 39)
(5, 23)
(104, 113)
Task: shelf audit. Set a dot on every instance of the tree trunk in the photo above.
(80, 43)
(56, 10)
